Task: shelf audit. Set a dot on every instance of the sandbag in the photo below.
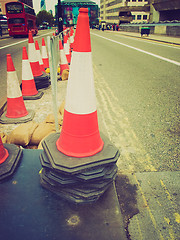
(50, 119)
(61, 108)
(65, 74)
(3, 137)
(22, 134)
(41, 131)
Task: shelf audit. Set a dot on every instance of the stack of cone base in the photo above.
(80, 154)
(63, 60)
(41, 78)
(16, 110)
(81, 180)
(29, 90)
(67, 49)
(10, 156)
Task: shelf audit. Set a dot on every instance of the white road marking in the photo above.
(140, 50)
(13, 44)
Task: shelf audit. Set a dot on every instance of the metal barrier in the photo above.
(54, 59)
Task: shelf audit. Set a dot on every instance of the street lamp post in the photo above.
(60, 20)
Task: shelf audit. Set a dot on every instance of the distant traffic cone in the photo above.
(80, 135)
(71, 38)
(29, 90)
(3, 152)
(67, 49)
(16, 110)
(39, 56)
(63, 60)
(44, 54)
(41, 78)
(33, 57)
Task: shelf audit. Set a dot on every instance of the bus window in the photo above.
(16, 20)
(14, 8)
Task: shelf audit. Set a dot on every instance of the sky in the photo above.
(50, 5)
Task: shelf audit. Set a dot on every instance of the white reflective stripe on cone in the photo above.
(66, 48)
(44, 52)
(26, 70)
(63, 59)
(32, 55)
(80, 98)
(13, 89)
(39, 57)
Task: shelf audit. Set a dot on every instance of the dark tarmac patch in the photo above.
(127, 197)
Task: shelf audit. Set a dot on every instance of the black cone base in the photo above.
(80, 180)
(8, 167)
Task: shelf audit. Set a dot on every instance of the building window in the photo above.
(139, 0)
(134, 17)
(144, 17)
(133, 0)
(138, 17)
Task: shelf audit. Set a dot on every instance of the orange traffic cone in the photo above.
(29, 90)
(33, 57)
(3, 152)
(44, 55)
(71, 38)
(80, 135)
(41, 78)
(63, 59)
(16, 110)
(67, 48)
(39, 56)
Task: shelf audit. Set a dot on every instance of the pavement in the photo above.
(150, 207)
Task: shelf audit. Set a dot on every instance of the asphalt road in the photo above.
(138, 98)
(137, 88)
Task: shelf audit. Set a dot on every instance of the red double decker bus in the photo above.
(21, 18)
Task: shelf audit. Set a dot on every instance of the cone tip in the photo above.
(10, 65)
(30, 37)
(24, 54)
(43, 42)
(37, 45)
(85, 10)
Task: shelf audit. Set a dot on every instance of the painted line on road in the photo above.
(151, 41)
(13, 44)
(140, 50)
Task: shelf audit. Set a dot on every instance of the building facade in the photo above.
(43, 5)
(167, 9)
(70, 11)
(110, 10)
(142, 11)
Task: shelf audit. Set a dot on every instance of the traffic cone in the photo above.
(39, 56)
(33, 57)
(44, 54)
(41, 78)
(16, 110)
(63, 60)
(3, 152)
(67, 49)
(71, 38)
(29, 90)
(80, 135)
